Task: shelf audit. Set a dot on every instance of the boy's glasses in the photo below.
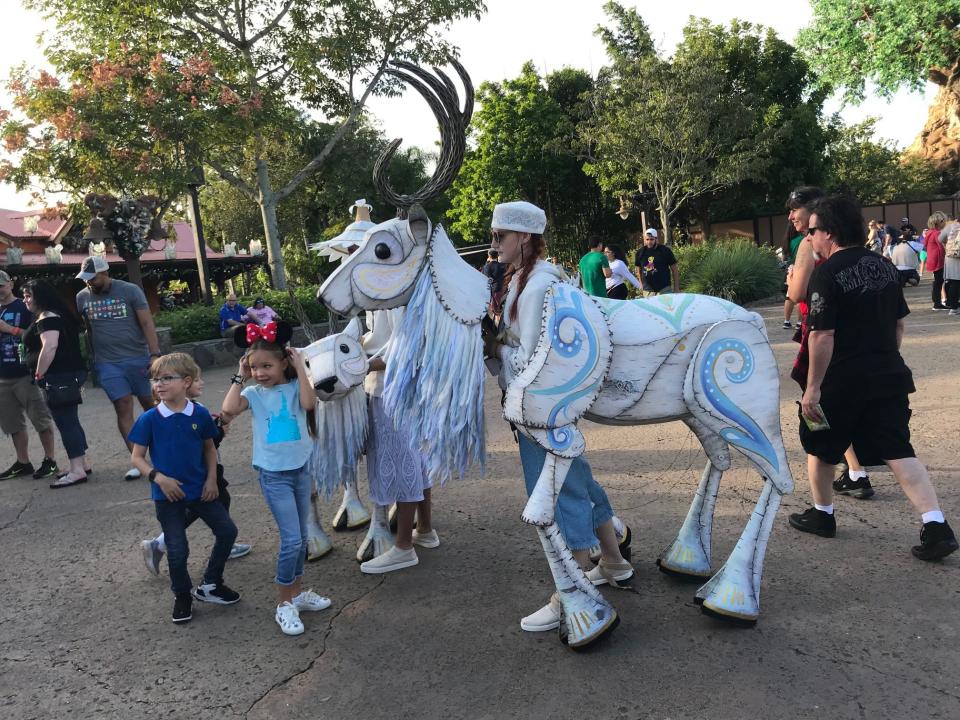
(165, 379)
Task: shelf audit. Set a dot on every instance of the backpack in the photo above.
(952, 246)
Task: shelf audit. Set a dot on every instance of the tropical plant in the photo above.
(736, 270)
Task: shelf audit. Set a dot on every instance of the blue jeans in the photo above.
(66, 417)
(287, 493)
(582, 504)
(173, 520)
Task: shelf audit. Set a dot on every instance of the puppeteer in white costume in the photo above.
(567, 356)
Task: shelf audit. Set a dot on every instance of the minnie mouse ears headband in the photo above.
(277, 332)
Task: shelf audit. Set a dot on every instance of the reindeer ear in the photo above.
(240, 336)
(284, 332)
(418, 224)
(354, 329)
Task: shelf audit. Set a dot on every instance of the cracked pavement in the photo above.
(850, 628)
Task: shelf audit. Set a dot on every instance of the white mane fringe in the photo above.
(341, 440)
(434, 383)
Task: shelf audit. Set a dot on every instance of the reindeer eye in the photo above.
(344, 348)
(382, 251)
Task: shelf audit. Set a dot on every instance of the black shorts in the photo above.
(878, 429)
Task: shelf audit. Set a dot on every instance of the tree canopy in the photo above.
(892, 43)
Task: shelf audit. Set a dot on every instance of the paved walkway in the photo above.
(850, 628)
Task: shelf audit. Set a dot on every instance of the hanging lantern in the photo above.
(624, 211)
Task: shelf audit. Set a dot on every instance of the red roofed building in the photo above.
(155, 266)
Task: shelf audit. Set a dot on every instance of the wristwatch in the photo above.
(152, 475)
(237, 379)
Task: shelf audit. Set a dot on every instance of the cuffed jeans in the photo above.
(287, 493)
(582, 504)
(67, 418)
(173, 520)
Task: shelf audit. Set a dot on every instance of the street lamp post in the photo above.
(199, 245)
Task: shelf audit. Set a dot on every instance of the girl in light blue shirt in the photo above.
(282, 404)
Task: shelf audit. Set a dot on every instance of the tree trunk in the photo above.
(939, 141)
(133, 271)
(665, 224)
(271, 231)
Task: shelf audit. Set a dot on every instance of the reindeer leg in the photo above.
(351, 514)
(689, 556)
(318, 543)
(378, 539)
(734, 592)
(585, 615)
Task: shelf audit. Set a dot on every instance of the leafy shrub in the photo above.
(202, 322)
(736, 270)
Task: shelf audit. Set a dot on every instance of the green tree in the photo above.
(273, 58)
(525, 141)
(669, 124)
(876, 171)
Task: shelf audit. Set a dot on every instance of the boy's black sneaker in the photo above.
(47, 469)
(815, 521)
(18, 469)
(182, 607)
(216, 593)
(936, 542)
(860, 488)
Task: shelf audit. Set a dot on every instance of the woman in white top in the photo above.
(620, 274)
(583, 512)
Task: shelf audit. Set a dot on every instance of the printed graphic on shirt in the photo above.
(9, 344)
(108, 309)
(649, 267)
(870, 274)
(283, 426)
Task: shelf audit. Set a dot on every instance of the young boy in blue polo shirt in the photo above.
(183, 475)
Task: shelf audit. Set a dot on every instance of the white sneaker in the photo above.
(617, 574)
(546, 618)
(132, 474)
(427, 540)
(152, 555)
(288, 618)
(392, 559)
(239, 550)
(310, 601)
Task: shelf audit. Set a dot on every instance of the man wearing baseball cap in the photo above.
(657, 266)
(18, 394)
(123, 337)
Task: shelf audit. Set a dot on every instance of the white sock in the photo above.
(933, 516)
(161, 545)
(857, 474)
(828, 509)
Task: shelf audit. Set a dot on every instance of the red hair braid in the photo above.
(529, 254)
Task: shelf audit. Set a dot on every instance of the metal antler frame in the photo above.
(442, 97)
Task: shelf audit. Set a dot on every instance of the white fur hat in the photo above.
(519, 216)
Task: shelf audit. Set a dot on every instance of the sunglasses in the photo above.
(499, 235)
(811, 230)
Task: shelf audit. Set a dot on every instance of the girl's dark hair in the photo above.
(617, 252)
(46, 299)
(841, 216)
(528, 258)
(803, 196)
(279, 350)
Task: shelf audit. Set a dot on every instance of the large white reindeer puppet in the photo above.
(698, 359)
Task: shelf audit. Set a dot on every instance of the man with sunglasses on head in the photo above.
(124, 341)
(858, 386)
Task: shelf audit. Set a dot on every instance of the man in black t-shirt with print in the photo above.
(657, 266)
(857, 381)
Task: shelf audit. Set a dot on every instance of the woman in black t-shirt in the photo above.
(52, 345)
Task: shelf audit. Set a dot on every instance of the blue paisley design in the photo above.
(751, 438)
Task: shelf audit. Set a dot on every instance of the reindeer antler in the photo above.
(441, 95)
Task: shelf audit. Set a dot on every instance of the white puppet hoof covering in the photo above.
(318, 542)
(686, 558)
(730, 596)
(584, 620)
(378, 539)
(351, 515)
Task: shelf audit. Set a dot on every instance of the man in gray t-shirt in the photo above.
(124, 340)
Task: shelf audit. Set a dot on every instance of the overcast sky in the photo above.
(553, 34)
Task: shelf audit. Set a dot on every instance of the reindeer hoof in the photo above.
(681, 574)
(737, 620)
(350, 516)
(372, 546)
(318, 546)
(725, 599)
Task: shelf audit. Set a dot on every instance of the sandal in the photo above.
(66, 480)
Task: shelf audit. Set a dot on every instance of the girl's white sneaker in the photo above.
(288, 618)
(310, 601)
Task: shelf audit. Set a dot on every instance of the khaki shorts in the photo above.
(18, 395)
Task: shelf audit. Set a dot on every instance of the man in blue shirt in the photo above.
(232, 315)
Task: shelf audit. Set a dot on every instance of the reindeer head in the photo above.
(337, 363)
